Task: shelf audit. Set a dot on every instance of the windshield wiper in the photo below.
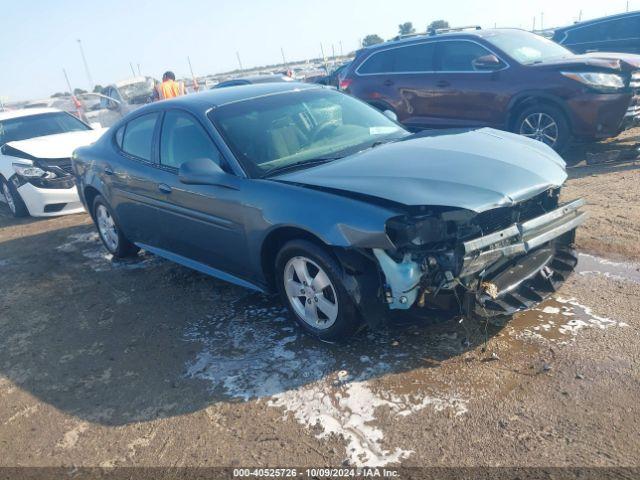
(301, 164)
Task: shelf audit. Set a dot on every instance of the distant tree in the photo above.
(371, 40)
(78, 91)
(438, 24)
(406, 28)
(98, 89)
(58, 94)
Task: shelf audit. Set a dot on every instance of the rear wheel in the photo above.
(546, 124)
(110, 233)
(14, 200)
(310, 283)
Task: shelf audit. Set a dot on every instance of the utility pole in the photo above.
(284, 60)
(133, 72)
(541, 21)
(533, 29)
(333, 54)
(239, 61)
(86, 65)
(66, 77)
(195, 81)
(341, 52)
(139, 73)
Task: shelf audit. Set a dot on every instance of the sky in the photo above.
(39, 37)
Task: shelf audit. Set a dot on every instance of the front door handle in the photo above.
(164, 188)
(108, 170)
(442, 84)
(388, 83)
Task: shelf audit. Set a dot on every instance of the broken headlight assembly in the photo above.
(41, 177)
(31, 171)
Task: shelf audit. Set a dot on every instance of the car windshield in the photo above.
(301, 127)
(138, 92)
(528, 48)
(31, 126)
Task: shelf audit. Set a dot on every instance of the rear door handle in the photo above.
(164, 188)
(442, 83)
(108, 170)
(387, 83)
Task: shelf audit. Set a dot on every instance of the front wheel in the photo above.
(110, 233)
(546, 124)
(14, 200)
(310, 283)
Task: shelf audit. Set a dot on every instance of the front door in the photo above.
(465, 96)
(203, 223)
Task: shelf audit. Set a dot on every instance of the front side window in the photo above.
(412, 58)
(184, 139)
(32, 126)
(460, 56)
(297, 128)
(138, 136)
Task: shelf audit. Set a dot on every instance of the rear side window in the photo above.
(138, 136)
(458, 56)
(184, 139)
(412, 58)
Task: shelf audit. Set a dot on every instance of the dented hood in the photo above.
(476, 170)
(60, 145)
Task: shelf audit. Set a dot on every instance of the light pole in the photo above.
(239, 61)
(86, 66)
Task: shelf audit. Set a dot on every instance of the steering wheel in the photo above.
(323, 130)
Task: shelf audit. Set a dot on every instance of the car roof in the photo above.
(458, 34)
(26, 112)
(597, 20)
(261, 79)
(217, 97)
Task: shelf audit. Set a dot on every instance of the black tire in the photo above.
(123, 248)
(15, 203)
(348, 320)
(548, 111)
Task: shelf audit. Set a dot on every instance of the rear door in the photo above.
(466, 96)
(130, 178)
(402, 77)
(203, 223)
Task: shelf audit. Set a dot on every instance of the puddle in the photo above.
(251, 351)
(99, 259)
(558, 320)
(592, 265)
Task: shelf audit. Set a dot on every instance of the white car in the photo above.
(35, 160)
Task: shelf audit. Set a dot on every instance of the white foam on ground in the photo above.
(592, 265)
(591, 321)
(258, 357)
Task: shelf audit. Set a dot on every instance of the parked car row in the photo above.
(350, 212)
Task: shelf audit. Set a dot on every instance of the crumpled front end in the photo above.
(493, 263)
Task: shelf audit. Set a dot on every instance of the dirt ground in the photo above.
(146, 363)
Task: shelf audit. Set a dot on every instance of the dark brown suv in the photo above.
(505, 78)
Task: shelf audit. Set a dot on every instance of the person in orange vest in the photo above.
(169, 88)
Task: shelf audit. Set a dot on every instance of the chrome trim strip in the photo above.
(556, 231)
(542, 220)
(490, 239)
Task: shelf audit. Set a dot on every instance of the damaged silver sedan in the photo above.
(306, 191)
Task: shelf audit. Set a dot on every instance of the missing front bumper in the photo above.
(523, 283)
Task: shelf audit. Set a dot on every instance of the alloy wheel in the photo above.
(310, 292)
(542, 127)
(107, 228)
(8, 197)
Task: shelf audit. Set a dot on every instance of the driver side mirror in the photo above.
(113, 104)
(204, 171)
(487, 62)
